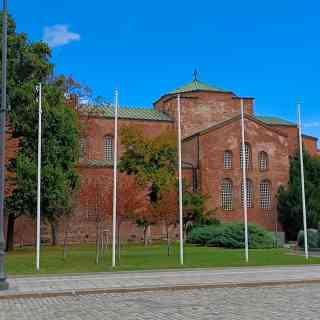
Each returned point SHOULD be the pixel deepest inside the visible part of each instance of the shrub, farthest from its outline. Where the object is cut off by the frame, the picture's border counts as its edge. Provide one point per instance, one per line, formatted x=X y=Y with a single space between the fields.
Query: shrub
x=313 y=239
x=231 y=236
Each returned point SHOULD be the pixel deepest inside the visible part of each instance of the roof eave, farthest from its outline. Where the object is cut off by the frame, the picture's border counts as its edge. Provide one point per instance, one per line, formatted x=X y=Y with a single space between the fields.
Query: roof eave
x=172 y=94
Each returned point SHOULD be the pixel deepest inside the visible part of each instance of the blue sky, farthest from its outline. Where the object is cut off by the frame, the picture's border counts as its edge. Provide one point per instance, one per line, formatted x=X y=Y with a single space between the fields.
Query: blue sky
x=269 y=50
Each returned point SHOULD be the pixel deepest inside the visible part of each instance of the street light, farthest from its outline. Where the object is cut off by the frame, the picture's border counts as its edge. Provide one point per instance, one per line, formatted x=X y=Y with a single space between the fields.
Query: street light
x=3 y=278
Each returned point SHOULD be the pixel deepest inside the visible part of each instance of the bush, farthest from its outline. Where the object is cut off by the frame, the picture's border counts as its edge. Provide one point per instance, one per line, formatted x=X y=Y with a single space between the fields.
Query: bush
x=313 y=239
x=231 y=236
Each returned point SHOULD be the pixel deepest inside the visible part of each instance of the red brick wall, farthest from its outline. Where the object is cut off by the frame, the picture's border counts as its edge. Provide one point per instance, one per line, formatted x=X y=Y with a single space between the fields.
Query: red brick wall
x=203 y=109
x=83 y=224
x=95 y=129
x=311 y=145
x=212 y=146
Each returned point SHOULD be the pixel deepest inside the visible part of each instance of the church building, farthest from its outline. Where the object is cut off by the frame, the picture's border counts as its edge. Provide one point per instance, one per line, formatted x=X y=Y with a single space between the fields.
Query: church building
x=211 y=154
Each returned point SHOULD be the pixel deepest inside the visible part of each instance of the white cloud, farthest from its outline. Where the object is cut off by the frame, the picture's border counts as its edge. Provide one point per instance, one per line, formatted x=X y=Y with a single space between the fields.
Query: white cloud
x=59 y=35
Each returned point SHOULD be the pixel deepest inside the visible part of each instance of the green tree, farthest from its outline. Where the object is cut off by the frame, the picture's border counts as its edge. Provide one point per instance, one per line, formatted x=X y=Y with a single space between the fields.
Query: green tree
x=290 y=197
x=194 y=210
x=29 y=64
x=152 y=160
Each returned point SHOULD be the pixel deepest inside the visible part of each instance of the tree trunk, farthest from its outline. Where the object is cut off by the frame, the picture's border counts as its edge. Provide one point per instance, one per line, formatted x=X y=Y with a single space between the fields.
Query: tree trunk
x=98 y=243
x=54 y=233
x=118 y=244
x=10 y=233
x=65 y=240
x=168 y=241
x=145 y=233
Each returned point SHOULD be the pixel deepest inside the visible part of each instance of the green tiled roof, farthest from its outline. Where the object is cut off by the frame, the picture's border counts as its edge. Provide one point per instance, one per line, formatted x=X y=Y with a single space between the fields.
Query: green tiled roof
x=275 y=121
x=126 y=113
x=196 y=85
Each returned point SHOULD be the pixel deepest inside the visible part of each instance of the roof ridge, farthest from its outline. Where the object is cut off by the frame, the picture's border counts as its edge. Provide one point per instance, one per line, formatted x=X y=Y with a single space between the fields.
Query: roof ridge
x=126 y=113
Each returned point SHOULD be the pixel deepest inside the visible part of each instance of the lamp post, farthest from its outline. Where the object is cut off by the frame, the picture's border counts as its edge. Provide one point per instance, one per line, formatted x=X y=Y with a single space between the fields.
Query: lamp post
x=3 y=279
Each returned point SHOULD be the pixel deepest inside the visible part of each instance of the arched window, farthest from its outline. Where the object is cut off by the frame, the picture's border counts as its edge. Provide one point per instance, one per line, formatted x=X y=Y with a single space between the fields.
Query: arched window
x=108 y=148
x=227 y=159
x=263 y=161
x=82 y=149
x=265 y=195
x=249 y=194
x=247 y=158
x=226 y=194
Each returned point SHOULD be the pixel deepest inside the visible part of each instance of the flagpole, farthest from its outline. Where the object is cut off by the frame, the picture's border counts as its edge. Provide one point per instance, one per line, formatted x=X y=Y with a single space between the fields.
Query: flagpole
x=245 y=209
x=3 y=278
x=39 y=88
x=302 y=185
x=115 y=153
x=180 y=181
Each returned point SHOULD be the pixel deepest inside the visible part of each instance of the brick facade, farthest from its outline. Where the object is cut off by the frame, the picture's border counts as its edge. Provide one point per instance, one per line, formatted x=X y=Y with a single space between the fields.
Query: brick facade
x=211 y=125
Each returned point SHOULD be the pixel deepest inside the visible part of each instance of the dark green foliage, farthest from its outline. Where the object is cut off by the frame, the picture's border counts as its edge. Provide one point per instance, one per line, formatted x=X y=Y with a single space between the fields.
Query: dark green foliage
x=29 y=64
x=290 y=198
x=151 y=160
x=194 y=213
x=231 y=235
x=313 y=239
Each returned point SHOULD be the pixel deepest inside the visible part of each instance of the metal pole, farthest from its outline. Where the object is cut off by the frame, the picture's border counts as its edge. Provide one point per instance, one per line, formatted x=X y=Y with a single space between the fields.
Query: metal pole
x=245 y=209
x=115 y=151
x=180 y=180
x=39 y=87
x=302 y=187
x=3 y=283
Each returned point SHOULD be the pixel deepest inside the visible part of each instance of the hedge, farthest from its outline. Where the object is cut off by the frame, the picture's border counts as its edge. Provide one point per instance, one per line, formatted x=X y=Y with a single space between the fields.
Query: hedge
x=231 y=235
x=313 y=239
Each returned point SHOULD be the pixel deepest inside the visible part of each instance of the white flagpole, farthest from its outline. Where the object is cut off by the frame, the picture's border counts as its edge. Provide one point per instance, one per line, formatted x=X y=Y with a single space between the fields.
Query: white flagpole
x=180 y=180
x=245 y=209
x=302 y=186
x=39 y=88
x=115 y=155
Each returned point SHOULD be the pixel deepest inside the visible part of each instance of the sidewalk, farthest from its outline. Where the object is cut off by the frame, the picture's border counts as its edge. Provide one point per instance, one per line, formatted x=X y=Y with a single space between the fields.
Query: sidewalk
x=45 y=286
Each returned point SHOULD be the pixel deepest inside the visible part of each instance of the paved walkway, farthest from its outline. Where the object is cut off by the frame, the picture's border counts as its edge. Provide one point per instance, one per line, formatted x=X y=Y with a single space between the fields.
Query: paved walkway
x=262 y=303
x=158 y=280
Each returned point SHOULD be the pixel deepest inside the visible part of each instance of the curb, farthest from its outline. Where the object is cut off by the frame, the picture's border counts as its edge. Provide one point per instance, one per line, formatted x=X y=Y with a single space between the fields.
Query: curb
x=79 y=292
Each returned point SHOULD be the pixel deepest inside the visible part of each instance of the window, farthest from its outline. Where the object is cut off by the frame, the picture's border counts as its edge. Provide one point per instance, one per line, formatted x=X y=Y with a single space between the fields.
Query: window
x=226 y=195
x=247 y=152
x=227 y=159
x=108 y=148
x=263 y=161
x=82 y=149
x=265 y=195
x=249 y=194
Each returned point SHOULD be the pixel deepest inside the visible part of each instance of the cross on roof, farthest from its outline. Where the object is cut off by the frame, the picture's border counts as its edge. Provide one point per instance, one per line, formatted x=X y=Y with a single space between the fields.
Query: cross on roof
x=195 y=75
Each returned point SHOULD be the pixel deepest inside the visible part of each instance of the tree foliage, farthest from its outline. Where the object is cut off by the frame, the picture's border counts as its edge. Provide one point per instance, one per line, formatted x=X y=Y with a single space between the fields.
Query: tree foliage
x=29 y=64
x=152 y=160
x=290 y=197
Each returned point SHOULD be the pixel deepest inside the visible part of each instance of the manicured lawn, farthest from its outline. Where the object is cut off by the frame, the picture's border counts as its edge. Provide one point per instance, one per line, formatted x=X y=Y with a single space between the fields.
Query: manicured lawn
x=82 y=259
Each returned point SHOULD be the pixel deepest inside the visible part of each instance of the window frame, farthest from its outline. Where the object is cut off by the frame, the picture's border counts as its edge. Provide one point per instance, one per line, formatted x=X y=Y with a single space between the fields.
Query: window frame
x=248 y=155
x=108 y=149
x=228 y=159
x=226 y=196
x=250 y=195
x=265 y=167
x=265 y=200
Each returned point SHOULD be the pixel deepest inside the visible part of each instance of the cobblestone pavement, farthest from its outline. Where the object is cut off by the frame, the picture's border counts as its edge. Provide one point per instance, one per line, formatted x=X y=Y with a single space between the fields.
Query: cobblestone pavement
x=157 y=279
x=287 y=302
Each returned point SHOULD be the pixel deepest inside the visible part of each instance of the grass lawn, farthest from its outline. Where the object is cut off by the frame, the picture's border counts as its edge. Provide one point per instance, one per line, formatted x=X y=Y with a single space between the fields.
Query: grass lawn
x=133 y=257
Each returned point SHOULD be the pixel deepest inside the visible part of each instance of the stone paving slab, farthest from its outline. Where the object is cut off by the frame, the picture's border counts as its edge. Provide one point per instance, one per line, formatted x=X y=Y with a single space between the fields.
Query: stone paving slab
x=274 y=303
x=152 y=280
